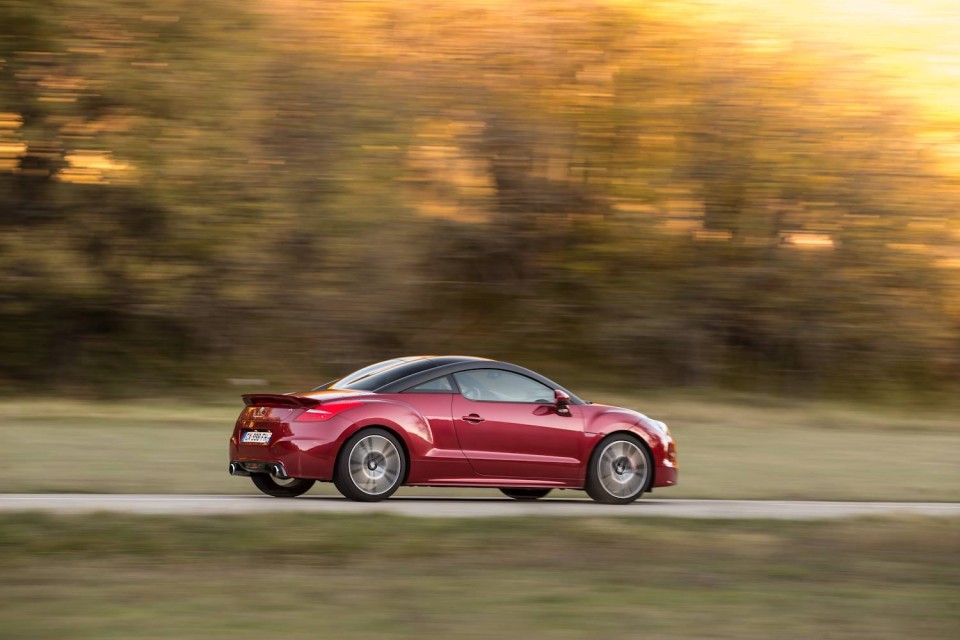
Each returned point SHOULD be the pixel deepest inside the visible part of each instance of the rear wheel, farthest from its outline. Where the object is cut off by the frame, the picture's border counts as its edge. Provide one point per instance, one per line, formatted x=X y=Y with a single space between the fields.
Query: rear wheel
x=619 y=471
x=281 y=487
x=519 y=493
x=370 y=467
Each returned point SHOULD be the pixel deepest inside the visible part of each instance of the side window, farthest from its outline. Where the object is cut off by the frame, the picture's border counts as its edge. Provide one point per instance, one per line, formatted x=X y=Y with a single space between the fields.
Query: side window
x=496 y=385
x=437 y=385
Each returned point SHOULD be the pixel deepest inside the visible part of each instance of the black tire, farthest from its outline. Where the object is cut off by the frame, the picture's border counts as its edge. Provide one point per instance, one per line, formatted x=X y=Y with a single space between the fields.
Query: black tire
x=519 y=493
x=278 y=488
x=384 y=451
x=611 y=486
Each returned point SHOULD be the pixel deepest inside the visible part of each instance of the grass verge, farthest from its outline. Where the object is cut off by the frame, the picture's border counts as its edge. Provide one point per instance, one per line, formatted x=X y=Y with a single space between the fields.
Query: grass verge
x=302 y=576
x=750 y=448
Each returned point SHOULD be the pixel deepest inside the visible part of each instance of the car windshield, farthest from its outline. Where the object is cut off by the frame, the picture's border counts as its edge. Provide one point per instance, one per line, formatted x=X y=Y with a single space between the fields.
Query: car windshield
x=377 y=375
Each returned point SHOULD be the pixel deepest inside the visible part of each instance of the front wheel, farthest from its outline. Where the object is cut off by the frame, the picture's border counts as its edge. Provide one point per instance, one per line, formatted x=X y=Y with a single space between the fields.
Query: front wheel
x=519 y=493
x=281 y=487
x=619 y=471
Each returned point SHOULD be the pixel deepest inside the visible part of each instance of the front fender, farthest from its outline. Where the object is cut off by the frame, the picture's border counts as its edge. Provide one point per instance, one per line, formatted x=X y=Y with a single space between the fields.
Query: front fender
x=610 y=420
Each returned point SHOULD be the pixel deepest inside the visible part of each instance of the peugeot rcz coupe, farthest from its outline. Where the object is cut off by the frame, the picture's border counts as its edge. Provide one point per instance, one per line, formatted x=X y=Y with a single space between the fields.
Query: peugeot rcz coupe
x=448 y=421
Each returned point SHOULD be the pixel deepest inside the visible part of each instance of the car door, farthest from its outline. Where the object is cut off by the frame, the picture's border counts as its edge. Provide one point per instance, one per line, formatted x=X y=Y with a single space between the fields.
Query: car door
x=509 y=427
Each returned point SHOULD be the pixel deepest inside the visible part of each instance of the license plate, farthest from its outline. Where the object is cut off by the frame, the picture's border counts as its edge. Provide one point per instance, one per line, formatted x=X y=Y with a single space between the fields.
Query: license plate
x=256 y=437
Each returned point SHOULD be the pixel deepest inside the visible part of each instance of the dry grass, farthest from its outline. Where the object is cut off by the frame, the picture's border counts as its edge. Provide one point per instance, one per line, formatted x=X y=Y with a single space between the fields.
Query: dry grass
x=751 y=448
x=345 y=577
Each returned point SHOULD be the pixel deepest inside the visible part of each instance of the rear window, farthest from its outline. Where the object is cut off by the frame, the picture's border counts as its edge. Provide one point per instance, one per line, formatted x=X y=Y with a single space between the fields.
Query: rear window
x=437 y=385
x=383 y=373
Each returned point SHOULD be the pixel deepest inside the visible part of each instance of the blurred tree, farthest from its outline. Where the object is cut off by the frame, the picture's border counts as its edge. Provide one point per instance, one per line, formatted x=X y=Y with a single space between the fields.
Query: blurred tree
x=210 y=187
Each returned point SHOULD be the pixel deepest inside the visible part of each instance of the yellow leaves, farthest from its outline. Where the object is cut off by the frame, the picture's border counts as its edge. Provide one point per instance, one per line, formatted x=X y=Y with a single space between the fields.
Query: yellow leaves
x=11 y=148
x=806 y=240
x=10 y=153
x=10 y=121
x=449 y=180
x=87 y=166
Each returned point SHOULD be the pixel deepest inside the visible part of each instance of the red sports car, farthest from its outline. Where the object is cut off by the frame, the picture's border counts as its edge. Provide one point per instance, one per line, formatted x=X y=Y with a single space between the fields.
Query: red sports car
x=448 y=421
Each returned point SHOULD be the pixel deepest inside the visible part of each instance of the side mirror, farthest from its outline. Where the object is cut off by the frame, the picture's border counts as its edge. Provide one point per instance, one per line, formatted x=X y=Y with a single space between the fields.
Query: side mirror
x=561 y=399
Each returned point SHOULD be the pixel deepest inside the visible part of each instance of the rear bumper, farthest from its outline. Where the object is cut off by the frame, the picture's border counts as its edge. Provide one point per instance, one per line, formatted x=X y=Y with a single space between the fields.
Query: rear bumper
x=299 y=459
x=241 y=468
x=302 y=451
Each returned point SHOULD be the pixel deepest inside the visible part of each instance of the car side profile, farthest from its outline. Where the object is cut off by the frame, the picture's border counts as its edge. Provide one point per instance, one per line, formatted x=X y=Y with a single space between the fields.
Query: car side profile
x=448 y=421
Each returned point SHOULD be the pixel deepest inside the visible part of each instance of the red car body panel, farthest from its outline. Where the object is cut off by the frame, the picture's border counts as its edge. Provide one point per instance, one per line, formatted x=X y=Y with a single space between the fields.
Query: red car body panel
x=519 y=440
x=516 y=443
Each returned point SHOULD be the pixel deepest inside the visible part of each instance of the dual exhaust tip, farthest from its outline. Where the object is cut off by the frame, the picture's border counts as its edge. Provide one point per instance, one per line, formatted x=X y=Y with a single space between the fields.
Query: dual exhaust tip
x=245 y=469
x=237 y=470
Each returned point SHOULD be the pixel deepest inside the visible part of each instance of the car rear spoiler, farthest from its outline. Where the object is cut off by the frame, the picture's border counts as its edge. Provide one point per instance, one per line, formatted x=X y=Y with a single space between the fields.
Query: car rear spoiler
x=278 y=400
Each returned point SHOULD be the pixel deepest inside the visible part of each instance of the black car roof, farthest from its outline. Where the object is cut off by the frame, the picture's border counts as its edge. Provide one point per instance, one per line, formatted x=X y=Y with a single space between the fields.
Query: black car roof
x=442 y=360
x=375 y=376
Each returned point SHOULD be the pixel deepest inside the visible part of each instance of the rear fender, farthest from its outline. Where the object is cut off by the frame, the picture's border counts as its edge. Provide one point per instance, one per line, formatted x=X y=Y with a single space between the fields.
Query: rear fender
x=399 y=417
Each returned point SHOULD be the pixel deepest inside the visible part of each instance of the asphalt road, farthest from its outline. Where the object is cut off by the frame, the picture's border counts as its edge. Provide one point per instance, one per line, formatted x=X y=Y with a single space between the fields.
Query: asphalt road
x=457 y=507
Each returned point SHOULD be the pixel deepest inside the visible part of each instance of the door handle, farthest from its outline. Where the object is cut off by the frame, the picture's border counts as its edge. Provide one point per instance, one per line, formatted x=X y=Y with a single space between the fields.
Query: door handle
x=474 y=418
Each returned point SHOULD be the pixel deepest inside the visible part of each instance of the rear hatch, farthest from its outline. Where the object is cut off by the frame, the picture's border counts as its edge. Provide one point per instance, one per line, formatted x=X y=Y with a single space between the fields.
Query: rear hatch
x=267 y=416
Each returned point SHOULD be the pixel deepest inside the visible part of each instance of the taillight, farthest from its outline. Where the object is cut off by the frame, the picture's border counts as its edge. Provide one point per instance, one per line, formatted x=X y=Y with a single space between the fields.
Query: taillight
x=326 y=411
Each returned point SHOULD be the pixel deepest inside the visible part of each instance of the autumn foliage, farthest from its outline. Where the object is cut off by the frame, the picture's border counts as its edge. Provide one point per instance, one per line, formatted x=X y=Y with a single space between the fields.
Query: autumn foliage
x=192 y=190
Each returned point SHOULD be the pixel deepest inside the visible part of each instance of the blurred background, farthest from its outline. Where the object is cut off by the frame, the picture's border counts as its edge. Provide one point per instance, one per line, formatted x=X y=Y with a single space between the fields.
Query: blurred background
x=741 y=217
x=689 y=193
